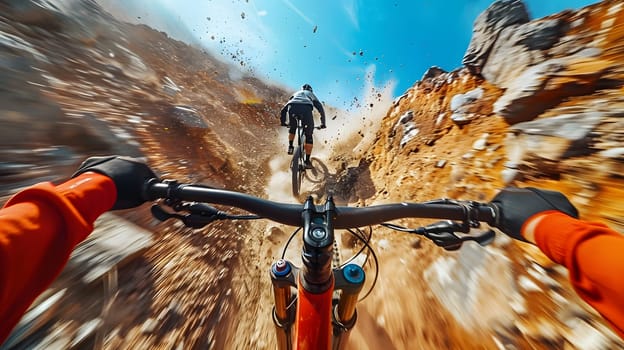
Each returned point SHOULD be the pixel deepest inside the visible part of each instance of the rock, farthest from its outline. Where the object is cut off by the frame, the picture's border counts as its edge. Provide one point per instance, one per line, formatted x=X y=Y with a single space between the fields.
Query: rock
x=459 y=101
x=149 y=326
x=481 y=143
x=521 y=102
x=440 y=118
x=114 y=242
x=559 y=137
x=543 y=330
x=528 y=285
x=440 y=163
x=41 y=312
x=518 y=304
x=463 y=118
x=520 y=47
x=583 y=336
x=31 y=13
x=538 y=273
x=501 y=14
x=383 y=244
x=189 y=117
x=410 y=132
x=433 y=72
x=457 y=174
x=417 y=243
x=542 y=35
x=616 y=152
x=545 y=85
x=405 y=118
x=474 y=285
x=509 y=175
x=464 y=107
x=557 y=298
x=86 y=331
x=468 y=155
x=275 y=235
x=170 y=87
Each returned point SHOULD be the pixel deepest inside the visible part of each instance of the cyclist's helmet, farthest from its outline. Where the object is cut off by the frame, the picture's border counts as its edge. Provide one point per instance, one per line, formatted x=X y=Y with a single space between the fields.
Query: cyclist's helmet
x=307 y=87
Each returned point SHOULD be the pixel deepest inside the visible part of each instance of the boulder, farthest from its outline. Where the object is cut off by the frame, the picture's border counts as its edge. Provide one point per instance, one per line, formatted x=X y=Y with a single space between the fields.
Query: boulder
x=501 y=14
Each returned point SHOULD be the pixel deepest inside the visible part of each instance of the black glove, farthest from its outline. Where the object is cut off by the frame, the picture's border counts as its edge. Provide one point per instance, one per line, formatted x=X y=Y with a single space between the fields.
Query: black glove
x=516 y=205
x=284 y=124
x=129 y=175
x=323 y=126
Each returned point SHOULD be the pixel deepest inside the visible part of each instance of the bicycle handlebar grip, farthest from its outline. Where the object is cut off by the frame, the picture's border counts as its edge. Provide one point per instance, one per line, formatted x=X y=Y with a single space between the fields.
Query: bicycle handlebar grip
x=154 y=189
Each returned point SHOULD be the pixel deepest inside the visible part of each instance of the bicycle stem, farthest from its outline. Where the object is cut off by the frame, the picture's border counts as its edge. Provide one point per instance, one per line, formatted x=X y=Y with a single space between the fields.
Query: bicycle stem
x=318 y=240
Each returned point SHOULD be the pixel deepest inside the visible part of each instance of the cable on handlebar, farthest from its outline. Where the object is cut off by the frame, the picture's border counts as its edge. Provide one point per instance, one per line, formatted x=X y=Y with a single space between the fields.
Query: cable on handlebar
x=199 y=214
x=362 y=238
x=288 y=242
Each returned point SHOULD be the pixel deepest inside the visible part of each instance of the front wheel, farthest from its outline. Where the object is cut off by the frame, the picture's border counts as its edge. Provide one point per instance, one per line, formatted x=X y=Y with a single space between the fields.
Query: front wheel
x=296 y=171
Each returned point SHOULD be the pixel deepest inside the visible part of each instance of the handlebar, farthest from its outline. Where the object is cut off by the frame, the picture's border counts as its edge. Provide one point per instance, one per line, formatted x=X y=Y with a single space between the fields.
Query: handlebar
x=345 y=217
x=316 y=127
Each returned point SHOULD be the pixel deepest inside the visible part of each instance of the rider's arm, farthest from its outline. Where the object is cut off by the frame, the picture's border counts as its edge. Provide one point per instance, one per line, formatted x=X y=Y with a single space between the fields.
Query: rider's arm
x=593 y=254
x=283 y=114
x=319 y=107
x=39 y=227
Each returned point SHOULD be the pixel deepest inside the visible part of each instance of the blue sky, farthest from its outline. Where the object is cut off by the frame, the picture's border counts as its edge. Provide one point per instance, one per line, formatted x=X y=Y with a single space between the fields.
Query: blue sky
x=390 y=41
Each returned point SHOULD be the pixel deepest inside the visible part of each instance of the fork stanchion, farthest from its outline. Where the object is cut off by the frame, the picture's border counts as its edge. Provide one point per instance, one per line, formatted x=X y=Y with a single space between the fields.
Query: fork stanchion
x=282 y=278
x=350 y=280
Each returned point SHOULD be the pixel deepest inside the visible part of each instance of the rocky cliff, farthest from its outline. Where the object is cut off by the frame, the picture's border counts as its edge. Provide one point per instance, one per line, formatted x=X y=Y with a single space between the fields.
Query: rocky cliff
x=536 y=102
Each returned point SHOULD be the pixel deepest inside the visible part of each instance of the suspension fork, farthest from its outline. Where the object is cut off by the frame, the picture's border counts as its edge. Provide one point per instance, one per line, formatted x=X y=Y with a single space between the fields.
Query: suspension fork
x=349 y=280
x=283 y=277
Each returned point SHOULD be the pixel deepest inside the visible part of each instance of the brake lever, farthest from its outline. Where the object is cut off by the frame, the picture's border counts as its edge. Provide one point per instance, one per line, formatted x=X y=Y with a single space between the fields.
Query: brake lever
x=200 y=214
x=442 y=234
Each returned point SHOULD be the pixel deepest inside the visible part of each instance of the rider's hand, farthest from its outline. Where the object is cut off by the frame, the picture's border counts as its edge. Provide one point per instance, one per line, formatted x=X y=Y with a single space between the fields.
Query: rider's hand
x=284 y=124
x=323 y=126
x=517 y=205
x=128 y=174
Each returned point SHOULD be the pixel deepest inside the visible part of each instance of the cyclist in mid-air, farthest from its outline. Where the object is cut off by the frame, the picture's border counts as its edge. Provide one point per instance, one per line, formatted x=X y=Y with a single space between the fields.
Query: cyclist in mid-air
x=302 y=103
x=41 y=225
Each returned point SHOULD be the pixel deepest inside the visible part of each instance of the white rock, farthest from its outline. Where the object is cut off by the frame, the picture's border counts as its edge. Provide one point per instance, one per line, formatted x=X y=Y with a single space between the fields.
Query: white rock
x=583 y=336
x=528 y=285
x=613 y=152
x=481 y=143
x=518 y=304
x=460 y=100
x=541 y=275
x=508 y=175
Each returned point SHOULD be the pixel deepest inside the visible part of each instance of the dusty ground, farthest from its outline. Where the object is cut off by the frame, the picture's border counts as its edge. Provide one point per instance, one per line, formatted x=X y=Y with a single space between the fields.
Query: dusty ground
x=209 y=288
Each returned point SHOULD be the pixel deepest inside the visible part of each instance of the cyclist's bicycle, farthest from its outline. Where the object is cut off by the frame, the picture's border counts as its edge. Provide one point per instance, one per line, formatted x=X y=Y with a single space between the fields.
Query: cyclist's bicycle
x=297 y=164
x=322 y=310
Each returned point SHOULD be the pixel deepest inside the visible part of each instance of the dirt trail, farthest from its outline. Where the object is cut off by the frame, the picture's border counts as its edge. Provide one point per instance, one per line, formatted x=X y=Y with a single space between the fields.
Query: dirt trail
x=400 y=313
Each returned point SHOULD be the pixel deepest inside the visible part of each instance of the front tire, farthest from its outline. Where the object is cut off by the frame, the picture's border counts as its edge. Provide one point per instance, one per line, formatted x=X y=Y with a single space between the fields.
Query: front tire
x=296 y=171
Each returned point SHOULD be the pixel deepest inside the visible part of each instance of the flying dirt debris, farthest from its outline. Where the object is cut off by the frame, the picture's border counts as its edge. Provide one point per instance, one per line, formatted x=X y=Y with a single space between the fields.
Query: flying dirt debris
x=546 y=92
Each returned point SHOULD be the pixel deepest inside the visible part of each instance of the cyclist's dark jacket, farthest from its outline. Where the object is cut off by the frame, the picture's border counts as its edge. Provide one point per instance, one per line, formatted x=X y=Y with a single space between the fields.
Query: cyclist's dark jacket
x=303 y=97
x=41 y=225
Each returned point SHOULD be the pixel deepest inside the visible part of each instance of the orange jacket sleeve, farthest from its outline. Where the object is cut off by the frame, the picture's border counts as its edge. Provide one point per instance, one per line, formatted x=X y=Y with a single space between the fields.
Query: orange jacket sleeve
x=39 y=227
x=594 y=256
